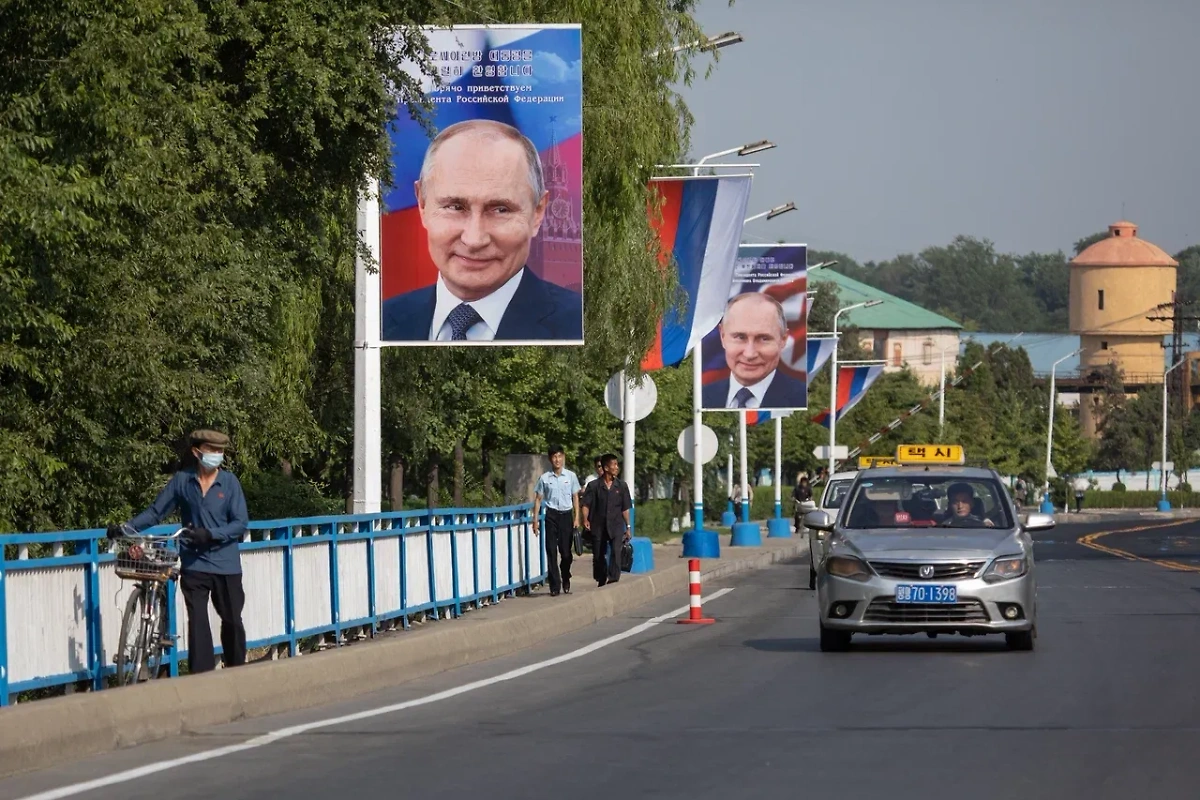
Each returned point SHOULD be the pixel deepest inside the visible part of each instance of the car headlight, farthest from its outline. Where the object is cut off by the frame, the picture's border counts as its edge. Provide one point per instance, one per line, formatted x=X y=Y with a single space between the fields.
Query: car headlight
x=1003 y=569
x=848 y=567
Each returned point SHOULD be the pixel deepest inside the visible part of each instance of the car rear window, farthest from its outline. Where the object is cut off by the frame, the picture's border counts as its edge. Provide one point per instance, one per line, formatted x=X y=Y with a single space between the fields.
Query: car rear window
x=927 y=501
x=835 y=494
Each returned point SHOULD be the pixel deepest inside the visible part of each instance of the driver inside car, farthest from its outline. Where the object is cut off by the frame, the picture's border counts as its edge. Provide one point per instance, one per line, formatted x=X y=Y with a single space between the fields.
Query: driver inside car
x=962 y=512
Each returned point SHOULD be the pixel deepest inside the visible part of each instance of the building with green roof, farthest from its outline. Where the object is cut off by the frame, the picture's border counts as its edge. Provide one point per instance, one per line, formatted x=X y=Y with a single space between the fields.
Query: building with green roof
x=897 y=331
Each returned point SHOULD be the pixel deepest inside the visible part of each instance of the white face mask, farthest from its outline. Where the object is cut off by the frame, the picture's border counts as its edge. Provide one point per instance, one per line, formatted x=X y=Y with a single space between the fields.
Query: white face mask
x=212 y=460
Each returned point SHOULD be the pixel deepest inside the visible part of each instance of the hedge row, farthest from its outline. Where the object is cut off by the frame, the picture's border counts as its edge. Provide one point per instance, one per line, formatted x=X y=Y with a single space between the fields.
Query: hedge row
x=1137 y=499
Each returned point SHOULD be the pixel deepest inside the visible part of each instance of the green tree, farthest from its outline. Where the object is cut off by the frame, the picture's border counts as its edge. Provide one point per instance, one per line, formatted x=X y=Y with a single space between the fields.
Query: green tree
x=1088 y=241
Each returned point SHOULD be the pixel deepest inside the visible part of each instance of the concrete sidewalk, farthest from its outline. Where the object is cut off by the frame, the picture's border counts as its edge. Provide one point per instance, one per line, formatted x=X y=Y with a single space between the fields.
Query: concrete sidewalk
x=39 y=734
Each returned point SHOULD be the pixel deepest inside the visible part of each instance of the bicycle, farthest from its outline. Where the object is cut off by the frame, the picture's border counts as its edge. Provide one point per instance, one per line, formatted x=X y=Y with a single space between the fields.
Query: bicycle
x=149 y=561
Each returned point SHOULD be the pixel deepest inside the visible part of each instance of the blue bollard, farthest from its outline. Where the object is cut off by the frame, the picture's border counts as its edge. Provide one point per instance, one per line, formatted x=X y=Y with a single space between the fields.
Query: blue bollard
x=1047 y=506
x=779 y=528
x=643 y=554
x=746 y=534
x=727 y=516
x=1164 y=504
x=701 y=544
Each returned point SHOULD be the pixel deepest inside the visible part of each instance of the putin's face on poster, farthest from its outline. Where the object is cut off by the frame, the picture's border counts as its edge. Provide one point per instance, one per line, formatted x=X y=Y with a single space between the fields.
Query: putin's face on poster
x=753 y=335
x=481 y=207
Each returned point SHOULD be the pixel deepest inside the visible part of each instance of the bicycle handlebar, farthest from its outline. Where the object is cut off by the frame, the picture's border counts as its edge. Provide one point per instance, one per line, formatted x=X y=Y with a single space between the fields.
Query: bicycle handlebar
x=129 y=533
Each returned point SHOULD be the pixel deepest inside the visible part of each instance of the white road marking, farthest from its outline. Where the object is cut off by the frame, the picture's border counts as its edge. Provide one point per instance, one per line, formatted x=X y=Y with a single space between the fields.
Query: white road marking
x=296 y=730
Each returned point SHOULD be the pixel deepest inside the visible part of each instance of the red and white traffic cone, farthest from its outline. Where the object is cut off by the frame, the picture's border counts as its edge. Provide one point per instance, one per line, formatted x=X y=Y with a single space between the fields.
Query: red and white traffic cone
x=695 y=616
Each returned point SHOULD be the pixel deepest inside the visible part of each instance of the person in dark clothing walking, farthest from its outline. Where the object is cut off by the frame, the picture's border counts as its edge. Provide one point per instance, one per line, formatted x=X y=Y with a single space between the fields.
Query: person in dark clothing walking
x=212 y=508
x=605 y=508
x=559 y=490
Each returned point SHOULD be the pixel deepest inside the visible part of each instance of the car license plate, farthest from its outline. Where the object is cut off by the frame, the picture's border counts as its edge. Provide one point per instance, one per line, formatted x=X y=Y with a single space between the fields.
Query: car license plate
x=926 y=593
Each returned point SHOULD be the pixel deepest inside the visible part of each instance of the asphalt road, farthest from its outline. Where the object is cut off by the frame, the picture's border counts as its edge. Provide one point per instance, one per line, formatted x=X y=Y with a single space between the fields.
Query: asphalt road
x=1105 y=707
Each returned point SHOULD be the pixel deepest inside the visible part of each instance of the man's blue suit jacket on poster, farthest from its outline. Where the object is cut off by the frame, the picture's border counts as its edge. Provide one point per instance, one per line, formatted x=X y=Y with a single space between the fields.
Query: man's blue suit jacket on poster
x=784 y=392
x=539 y=310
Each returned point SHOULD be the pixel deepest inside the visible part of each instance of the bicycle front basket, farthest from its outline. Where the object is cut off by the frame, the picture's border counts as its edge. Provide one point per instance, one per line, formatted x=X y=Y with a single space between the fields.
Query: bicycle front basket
x=146 y=558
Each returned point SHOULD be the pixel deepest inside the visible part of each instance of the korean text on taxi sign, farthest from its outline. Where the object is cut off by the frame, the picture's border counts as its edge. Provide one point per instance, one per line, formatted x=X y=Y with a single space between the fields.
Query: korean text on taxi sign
x=930 y=454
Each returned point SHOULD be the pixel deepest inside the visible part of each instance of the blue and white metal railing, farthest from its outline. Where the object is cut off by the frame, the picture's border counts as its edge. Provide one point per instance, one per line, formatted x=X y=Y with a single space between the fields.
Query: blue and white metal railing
x=303 y=578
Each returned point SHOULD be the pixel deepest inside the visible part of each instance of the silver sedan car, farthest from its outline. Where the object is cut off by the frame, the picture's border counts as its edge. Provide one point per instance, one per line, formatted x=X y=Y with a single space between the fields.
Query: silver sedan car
x=934 y=550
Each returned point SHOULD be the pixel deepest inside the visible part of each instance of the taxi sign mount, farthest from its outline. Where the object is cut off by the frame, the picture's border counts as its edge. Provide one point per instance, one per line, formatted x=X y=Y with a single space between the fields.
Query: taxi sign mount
x=930 y=454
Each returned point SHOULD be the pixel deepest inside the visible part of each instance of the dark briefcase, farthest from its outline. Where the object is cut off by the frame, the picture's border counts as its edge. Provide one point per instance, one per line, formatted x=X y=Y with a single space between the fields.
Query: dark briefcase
x=577 y=541
x=627 y=557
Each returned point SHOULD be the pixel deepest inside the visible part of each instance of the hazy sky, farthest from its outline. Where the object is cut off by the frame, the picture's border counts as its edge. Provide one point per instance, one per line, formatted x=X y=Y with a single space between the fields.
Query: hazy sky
x=902 y=123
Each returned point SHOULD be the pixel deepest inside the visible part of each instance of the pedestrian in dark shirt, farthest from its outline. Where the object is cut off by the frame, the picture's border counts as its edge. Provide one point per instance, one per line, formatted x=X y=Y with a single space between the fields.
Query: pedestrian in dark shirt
x=605 y=507
x=212 y=509
x=801 y=493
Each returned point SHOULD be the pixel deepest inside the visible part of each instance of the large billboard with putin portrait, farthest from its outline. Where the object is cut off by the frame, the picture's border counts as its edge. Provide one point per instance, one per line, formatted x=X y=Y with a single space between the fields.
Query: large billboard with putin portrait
x=481 y=232
x=756 y=357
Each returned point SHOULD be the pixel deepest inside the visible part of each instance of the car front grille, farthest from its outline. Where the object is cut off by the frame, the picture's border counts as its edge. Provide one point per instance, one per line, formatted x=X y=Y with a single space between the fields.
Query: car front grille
x=912 y=570
x=884 y=610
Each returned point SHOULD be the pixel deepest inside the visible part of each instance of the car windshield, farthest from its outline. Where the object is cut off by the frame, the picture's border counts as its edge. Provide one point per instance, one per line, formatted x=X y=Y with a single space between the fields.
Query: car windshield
x=836 y=493
x=925 y=501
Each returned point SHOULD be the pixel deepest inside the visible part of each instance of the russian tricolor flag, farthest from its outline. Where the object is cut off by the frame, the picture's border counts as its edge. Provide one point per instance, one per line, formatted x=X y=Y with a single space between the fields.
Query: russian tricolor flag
x=756 y=417
x=853 y=383
x=700 y=226
x=819 y=352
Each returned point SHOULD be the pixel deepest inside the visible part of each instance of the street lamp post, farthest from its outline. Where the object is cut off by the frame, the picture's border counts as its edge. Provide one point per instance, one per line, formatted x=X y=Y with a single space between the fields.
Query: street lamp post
x=833 y=378
x=1047 y=505
x=704 y=544
x=1163 y=503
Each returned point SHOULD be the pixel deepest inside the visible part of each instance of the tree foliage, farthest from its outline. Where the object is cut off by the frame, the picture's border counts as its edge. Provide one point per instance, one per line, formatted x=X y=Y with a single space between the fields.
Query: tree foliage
x=177 y=240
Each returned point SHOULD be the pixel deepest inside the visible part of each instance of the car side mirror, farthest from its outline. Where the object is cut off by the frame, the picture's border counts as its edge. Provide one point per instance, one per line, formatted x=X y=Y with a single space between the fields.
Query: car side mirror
x=1038 y=522
x=818 y=521
x=808 y=505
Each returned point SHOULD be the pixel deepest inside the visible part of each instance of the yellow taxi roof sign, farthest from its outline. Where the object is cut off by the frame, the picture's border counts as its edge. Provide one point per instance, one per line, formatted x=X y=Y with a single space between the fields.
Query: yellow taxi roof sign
x=930 y=454
x=866 y=462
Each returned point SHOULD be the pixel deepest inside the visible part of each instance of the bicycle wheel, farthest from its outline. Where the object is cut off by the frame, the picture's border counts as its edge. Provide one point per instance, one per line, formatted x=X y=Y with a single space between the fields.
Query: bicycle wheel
x=140 y=650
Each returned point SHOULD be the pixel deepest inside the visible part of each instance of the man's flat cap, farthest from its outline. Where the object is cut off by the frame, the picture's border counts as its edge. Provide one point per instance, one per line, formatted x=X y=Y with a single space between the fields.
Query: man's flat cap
x=215 y=438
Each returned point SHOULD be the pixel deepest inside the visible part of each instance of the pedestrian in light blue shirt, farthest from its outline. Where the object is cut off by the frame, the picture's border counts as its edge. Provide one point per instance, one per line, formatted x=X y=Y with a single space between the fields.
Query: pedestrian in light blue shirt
x=558 y=490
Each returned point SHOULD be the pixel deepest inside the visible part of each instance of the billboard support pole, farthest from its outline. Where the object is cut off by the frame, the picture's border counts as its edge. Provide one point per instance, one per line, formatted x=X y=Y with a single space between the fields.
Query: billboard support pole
x=744 y=532
x=368 y=436
x=628 y=424
x=778 y=526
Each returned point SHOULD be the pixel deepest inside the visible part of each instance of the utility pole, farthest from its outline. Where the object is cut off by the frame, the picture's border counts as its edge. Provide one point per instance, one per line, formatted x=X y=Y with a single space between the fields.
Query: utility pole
x=1178 y=383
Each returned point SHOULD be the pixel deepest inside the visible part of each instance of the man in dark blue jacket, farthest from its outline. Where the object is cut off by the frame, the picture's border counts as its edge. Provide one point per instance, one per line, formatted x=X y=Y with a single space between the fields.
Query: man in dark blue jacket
x=212 y=507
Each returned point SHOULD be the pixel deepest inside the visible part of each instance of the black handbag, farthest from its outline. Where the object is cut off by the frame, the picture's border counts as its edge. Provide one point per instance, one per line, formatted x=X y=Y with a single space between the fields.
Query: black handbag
x=627 y=557
x=577 y=541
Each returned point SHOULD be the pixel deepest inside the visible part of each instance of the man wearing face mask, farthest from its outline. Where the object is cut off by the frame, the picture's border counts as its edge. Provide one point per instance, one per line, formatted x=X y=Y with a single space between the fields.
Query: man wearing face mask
x=212 y=509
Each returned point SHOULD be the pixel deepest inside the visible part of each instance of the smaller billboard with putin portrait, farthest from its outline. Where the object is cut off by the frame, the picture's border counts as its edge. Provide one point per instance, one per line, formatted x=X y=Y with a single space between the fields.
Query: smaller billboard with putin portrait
x=481 y=233
x=756 y=357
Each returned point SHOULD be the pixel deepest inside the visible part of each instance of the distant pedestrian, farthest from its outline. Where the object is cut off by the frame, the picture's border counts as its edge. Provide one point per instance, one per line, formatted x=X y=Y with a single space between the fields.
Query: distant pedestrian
x=212 y=508
x=1081 y=486
x=558 y=490
x=1020 y=490
x=599 y=470
x=737 y=501
x=605 y=507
